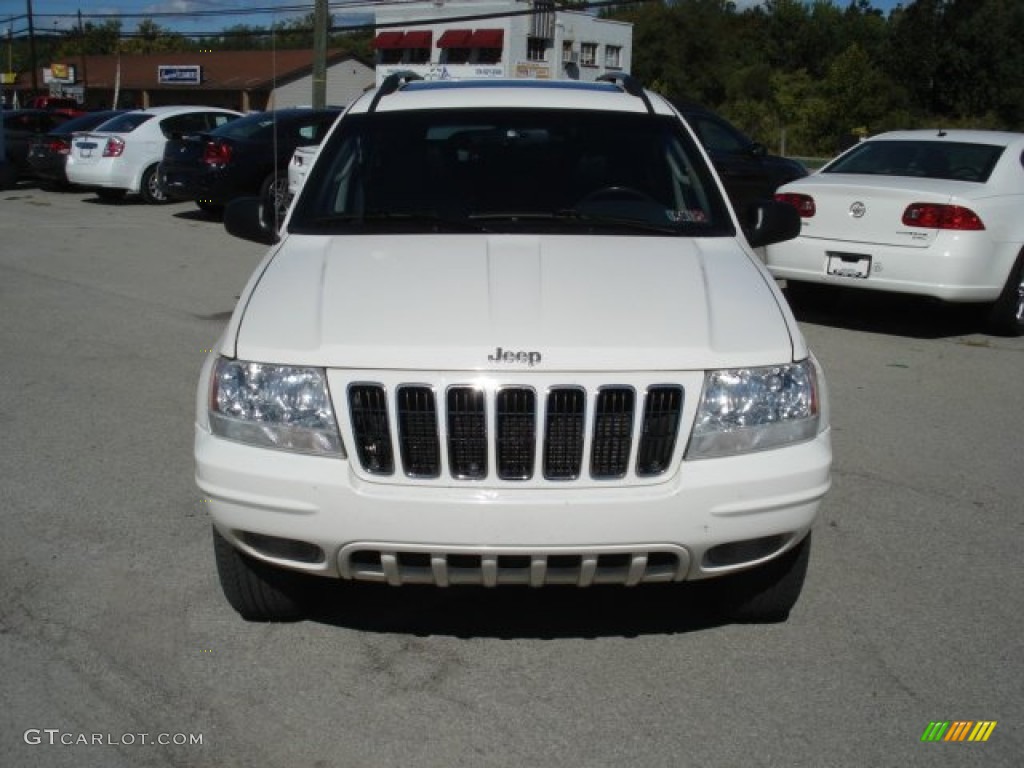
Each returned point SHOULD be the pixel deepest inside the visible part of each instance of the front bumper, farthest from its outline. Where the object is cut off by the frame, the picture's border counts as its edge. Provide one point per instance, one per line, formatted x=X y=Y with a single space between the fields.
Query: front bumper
x=770 y=496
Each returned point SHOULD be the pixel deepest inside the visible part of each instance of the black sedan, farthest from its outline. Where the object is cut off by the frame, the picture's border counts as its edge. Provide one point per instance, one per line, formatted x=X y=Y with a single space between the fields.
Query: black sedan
x=248 y=156
x=47 y=155
x=748 y=171
x=21 y=127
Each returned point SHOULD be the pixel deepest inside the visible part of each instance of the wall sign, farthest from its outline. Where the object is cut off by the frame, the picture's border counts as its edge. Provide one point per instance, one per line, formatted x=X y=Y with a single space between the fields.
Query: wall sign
x=179 y=74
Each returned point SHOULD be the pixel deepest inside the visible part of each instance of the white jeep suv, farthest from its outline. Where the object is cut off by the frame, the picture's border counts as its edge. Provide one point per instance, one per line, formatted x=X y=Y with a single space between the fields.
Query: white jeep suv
x=512 y=333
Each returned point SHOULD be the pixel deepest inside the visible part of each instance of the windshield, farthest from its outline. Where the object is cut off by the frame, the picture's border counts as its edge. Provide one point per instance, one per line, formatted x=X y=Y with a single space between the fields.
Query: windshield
x=514 y=170
x=927 y=159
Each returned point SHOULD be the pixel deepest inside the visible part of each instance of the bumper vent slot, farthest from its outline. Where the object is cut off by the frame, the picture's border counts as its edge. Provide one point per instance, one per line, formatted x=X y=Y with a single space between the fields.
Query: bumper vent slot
x=444 y=569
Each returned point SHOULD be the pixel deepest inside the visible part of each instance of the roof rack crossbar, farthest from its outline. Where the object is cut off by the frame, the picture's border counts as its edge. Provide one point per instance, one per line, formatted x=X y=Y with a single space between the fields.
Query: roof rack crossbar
x=391 y=84
x=630 y=85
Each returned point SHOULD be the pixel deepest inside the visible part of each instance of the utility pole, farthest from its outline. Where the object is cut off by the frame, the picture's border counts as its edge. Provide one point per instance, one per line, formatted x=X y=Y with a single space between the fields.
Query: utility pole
x=320 y=54
x=32 y=50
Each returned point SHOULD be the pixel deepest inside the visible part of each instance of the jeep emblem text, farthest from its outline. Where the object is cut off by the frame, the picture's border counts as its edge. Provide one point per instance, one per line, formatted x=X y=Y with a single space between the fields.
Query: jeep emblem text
x=508 y=356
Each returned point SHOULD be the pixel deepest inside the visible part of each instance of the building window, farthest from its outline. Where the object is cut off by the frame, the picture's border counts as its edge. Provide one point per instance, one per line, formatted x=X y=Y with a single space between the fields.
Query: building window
x=536 y=49
x=588 y=54
x=418 y=56
x=455 y=55
x=613 y=57
x=391 y=55
x=488 y=56
x=566 y=51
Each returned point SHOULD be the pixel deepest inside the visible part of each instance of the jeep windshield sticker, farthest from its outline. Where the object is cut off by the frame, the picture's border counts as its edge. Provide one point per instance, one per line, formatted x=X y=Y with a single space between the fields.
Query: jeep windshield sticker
x=690 y=215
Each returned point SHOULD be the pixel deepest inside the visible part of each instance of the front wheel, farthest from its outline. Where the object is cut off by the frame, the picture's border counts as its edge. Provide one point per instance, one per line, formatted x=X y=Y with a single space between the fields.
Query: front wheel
x=1006 y=317
x=150 y=189
x=259 y=592
x=766 y=593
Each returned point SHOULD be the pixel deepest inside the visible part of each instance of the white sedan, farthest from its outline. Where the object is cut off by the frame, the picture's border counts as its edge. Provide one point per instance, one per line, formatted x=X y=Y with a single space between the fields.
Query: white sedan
x=930 y=212
x=122 y=155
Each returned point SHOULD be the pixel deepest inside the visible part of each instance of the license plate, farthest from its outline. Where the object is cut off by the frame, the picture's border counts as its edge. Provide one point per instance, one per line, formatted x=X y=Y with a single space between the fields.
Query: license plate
x=857 y=265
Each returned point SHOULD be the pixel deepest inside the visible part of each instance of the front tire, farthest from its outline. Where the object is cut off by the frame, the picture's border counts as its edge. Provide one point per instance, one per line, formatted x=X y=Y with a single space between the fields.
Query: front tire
x=259 y=592
x=150 y=189
x=764 y=594
x=1006 y=317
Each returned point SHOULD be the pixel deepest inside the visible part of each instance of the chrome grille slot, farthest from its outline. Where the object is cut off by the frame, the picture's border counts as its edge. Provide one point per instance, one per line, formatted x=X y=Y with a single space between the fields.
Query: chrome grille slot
x=662 y=410
x=369 y=412
x=417 y=432
x=564 y=433
x=613 y=432
x=516 y=432
x=467 y=433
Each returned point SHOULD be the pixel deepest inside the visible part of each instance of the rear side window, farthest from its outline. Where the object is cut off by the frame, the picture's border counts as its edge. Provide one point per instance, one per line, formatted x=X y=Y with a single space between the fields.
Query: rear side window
x=126 y=123
x=960 y=161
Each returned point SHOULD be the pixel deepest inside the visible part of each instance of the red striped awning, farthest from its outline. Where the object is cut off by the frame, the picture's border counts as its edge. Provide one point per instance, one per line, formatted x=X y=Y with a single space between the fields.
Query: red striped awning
x=389 y=39
x=419 y=38
x=455 y=38
x=487 y=38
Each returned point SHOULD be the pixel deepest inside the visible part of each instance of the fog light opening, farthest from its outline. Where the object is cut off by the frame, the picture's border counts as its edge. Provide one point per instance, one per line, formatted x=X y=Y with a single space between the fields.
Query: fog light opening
x=737 y=552
x=284 y=549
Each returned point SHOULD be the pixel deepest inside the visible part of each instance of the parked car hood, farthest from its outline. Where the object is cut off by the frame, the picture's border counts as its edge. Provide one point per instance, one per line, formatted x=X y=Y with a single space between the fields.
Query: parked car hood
x=451 y=302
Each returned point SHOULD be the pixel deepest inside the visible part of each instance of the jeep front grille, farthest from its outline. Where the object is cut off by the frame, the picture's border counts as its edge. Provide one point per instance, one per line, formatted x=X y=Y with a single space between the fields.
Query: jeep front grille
x=511 y=426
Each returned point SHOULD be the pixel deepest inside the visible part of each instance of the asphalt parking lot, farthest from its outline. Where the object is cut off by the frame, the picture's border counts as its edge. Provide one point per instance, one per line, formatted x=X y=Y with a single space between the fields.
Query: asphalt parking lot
x=118 y=648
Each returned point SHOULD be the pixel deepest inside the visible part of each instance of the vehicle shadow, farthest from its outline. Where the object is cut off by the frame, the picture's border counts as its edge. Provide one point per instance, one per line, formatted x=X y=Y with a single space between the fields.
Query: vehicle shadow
x=892 y=314
x=198 y=214
x=515 y=612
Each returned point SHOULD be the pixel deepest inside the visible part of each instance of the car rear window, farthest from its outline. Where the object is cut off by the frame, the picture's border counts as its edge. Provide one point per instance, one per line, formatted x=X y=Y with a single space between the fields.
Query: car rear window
x=126 y=123
x=925 y=159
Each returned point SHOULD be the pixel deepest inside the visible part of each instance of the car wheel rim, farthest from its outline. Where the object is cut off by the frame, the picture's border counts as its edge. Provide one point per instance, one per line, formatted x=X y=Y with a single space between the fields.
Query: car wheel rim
x=154 y=188
x=1019 y=314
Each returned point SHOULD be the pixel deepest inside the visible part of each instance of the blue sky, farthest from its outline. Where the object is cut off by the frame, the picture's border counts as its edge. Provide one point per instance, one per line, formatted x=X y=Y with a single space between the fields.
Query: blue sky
x=197 y=15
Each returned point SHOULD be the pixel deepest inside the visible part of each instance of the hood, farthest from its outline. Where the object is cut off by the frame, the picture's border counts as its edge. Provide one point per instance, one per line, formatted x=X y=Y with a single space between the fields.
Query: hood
x=511 y=302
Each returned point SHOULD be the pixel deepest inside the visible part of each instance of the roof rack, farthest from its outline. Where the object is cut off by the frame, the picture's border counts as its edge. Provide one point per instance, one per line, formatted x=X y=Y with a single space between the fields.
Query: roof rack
x=630 y=85
x=391 y=84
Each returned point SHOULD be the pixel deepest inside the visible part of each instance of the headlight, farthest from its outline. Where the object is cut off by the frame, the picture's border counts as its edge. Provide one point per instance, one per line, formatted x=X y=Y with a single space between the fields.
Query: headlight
x=751 y=409
x=274 y=406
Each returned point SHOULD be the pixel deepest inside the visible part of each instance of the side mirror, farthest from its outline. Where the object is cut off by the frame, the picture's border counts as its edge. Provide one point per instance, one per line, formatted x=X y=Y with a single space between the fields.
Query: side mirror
x=768 y=221
x=252 y=218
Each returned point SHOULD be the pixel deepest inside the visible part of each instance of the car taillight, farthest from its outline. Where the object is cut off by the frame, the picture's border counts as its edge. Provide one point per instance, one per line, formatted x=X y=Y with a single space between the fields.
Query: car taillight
x=216 y=153
x=937 y=216
x=804 y=204
x=58 y=146
x=114 y=147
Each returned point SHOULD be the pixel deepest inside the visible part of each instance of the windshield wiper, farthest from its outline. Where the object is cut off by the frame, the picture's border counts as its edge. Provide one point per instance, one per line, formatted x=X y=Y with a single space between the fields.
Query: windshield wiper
x=437 y=222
